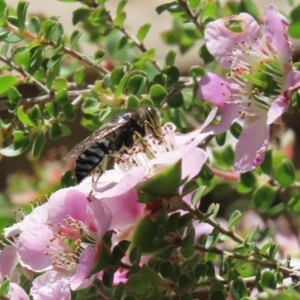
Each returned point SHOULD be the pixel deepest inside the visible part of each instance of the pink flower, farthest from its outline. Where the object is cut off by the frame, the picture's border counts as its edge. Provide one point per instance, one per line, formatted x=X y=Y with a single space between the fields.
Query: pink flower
x=68 y=245
x=138 y=165
x=260 y=84
x=8 y=263
x=17 y=293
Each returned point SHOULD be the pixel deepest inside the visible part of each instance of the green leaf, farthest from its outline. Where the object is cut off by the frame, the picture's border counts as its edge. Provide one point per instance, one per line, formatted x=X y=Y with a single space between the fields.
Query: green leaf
x=163 y=183
x=197 y=195
x=176 y=101
x=132 y=102
x=3 y=12
x=119 y=20
x=238 y=289
x=98 y=56
x=247 y=182
x=80 y=14
x=122 y=43
x=249 y=7
x=172 y=73
x=75 y=36
x=137 y=283
x=295 y=22
x=116 y=75
x=263 y=197
x=167 y=270
x=196 y=71
x=14 y=98
x=4 y=288
x=228 y=155
x=62 y=97
x=184 y=283
x=142 y=32
x=185 y=220
x=267 y=165
x=268 y=280
x=167 y=6
x=90 y=106
x=79 y=75
x=234 y=219
x=55 y=131
x=236 y=129
x=21 y=13
x=206 y=174
x=144 y=233
x=52 y=109
x=157 y=93
x=285 y=173
x=21 y=57
x=34 y=25
x=69 y=111
x=137 y=84
x=38 y=144
x=205 y=55
x=24 y=117
x=7 y=81
x=60 y=83
x=221 y=139
x=194 y=4
x=20 y=144
x=294 y=204
x=121 y=6
x=47 y=26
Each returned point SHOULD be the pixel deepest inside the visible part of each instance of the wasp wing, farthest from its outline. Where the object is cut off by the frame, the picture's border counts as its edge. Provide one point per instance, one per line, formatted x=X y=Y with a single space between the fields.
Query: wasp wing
x=95 y=137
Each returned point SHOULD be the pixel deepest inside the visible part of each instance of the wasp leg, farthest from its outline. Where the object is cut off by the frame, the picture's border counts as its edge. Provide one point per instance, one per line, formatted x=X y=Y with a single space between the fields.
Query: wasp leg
x=103 y=167
x=157 y=133
x=144 y=144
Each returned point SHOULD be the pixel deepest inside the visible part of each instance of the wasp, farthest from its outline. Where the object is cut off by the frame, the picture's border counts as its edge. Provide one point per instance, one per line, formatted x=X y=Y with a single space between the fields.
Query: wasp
x=115 y=136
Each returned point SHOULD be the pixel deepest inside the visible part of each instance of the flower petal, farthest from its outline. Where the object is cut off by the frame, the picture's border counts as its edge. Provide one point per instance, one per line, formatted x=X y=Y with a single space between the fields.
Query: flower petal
x=67 y=201
x=84 y=268
x=250 y=152
x=32 y=246
x=276 y=27
x=129 y=181
x=8 y=263
x=220 y=40
x=125 y=209
x=38 y=215
x=16 y=292
x=49 y=286
x=100 y=216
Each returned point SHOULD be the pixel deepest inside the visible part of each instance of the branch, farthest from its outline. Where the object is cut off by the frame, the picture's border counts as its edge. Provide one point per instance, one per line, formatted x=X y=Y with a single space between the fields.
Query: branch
x=4 y=104
x=135 y=41
x=24 y=73
x=32 y=37
x=183 y=4
x=249 y=258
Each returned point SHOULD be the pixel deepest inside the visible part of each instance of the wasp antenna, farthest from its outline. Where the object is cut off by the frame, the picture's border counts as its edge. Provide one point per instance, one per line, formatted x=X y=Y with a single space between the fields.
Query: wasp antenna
x=173 y=92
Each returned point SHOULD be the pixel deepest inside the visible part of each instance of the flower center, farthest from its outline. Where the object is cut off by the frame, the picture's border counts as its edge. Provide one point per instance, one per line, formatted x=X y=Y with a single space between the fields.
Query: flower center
x=259 y=75
x=144 y=151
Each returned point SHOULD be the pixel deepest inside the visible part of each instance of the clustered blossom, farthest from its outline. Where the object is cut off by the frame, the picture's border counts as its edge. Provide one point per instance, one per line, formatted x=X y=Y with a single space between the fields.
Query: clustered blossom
x=260 y=82
x=63 y=237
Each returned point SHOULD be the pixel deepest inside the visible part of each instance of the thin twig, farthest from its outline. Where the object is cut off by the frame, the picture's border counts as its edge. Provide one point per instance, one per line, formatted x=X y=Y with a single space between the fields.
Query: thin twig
x=4 y=104
x=32 y=37
x=19 y=69
x=134 y=40
x=183 y=4
x=264 y=264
